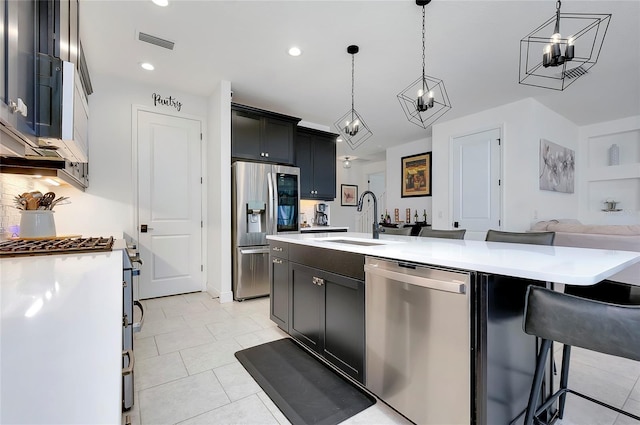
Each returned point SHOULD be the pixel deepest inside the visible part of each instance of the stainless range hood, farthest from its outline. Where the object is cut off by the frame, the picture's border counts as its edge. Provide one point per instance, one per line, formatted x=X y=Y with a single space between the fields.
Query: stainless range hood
x=75 y=174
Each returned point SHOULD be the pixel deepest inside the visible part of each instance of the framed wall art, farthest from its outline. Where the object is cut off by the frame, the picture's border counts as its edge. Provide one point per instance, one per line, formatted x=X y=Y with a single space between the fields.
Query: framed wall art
x=348 y=195
x=416 y=175
x=557 y=167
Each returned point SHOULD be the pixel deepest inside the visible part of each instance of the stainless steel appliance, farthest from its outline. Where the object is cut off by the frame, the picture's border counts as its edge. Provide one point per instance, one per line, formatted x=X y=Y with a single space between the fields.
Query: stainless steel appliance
x=417 y=325
x=265 y=201
x=322 y=215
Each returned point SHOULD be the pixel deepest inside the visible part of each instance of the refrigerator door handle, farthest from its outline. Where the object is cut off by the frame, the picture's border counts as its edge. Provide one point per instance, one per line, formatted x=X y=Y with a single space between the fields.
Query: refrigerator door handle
x=271 y=207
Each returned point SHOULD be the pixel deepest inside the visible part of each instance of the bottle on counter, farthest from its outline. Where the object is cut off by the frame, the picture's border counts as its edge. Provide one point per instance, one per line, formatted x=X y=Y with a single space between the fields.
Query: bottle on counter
x=415 y=217
x=424 y=214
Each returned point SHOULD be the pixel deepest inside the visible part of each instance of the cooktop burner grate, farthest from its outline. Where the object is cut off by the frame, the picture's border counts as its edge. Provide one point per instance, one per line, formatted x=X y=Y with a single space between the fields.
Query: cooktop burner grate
x=18 y=247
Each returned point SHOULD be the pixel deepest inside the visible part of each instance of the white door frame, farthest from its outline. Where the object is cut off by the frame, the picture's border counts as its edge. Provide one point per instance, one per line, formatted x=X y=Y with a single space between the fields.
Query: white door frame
x=500 y=128
x=135 y=108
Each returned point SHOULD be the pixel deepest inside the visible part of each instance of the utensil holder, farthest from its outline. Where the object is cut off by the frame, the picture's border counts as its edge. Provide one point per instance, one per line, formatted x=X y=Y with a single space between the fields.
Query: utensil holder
x=37 y=224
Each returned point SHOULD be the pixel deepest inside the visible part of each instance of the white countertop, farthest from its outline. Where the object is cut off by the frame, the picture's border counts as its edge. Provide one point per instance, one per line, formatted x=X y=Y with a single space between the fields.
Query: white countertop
x=576 y=266
x=61 y=339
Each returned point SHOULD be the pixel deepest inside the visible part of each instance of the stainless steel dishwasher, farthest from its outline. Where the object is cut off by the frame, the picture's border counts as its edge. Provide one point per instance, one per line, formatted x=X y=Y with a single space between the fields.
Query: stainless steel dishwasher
x=418 y=354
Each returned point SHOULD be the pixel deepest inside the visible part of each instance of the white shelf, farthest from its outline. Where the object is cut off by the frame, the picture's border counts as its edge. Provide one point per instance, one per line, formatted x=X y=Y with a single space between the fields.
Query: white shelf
x=614 y=172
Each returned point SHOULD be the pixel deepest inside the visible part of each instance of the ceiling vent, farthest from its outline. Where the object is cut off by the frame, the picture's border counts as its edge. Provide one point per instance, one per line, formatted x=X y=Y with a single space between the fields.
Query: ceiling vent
x=156 y=41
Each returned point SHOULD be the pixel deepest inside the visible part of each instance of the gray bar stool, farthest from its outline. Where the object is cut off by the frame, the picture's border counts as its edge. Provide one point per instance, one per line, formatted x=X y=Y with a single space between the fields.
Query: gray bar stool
x=574 y=321
x=404 y=231
x=428 y=232
x=533 y=238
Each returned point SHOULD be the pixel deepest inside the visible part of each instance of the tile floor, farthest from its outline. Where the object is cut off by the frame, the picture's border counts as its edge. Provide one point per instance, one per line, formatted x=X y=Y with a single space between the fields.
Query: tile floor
x=186 y=372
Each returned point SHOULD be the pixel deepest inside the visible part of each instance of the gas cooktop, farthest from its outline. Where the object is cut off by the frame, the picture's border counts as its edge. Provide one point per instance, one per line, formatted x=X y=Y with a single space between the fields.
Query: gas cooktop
x=20 y=247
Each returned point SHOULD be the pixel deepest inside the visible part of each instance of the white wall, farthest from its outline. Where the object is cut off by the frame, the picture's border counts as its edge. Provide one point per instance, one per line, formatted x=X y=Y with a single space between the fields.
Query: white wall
x=218 y=184
x=107 y=206
x=394 y=181
x=622 y=183
x=356 y=175
x=523 y=124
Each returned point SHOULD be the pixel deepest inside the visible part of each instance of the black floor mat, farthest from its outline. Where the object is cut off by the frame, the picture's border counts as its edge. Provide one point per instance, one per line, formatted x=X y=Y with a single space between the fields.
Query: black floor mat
x=304 y=389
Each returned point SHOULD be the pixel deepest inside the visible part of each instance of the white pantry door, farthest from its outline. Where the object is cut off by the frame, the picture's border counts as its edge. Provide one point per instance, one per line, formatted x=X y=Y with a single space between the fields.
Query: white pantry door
x=169 y=204
x=476 y=182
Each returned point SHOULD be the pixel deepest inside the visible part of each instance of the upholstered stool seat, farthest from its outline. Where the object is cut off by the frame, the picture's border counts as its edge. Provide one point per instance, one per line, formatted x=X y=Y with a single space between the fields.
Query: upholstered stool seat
x=533 y=238
x=428 y=232
x=573 y=321
x=404 y=231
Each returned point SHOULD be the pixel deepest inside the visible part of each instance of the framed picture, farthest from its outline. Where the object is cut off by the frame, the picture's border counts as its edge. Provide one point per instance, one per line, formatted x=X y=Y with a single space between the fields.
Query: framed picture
x=348 y=195
x=416 y=175
x=557 y=167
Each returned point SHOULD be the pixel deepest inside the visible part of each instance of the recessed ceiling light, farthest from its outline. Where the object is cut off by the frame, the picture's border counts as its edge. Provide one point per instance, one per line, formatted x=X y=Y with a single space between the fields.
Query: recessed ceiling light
x=147 y=66
x=161 y=3
x=295 y=51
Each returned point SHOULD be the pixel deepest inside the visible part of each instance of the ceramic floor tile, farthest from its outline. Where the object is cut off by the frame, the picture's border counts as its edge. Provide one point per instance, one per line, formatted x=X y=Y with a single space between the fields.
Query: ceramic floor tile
x=263 y=320
x=182 y=399
x=186 y=308
x=204 y=318
x=600 y=384
x=184 y=338
x=379 y=413
x=280 y=417
x=234 y=327
x=249 y=410
x=618 y=365
x=583 y=412
x=247 y=307
x=158 y=370
x=145 y=348
x=161 y=326
x=150 y=314
x=633 y=407
x=236 y=381
x=260 y=337
x=198 y=297
x=635 y=393
x=154 y=303
x=209 y=356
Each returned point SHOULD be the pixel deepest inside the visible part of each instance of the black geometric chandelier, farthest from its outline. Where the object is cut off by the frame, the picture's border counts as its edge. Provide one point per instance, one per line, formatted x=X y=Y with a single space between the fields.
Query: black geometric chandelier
x=351 y=126
x=550 y=61
x=425 y=100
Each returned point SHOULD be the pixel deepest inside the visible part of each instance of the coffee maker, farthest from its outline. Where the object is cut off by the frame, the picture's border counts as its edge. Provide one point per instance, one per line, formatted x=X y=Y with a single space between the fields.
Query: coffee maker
x=321 y=215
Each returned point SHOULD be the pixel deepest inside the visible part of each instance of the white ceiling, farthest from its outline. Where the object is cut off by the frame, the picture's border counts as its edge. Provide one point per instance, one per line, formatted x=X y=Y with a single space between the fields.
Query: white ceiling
x=472 y=45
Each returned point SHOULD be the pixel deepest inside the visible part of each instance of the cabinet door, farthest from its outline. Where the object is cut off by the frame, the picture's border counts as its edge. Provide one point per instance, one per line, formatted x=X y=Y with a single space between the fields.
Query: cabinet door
x=279 y=271
x=324 y=168
x=277 y=141
x=306 y=312
x=344 y=324
x=245 y=135
x=304 y=160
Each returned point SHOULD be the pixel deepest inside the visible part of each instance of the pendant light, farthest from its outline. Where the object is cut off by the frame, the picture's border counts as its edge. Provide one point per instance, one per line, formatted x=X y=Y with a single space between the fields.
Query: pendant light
x=549 y=60
x=351 y=126
x=425 y=100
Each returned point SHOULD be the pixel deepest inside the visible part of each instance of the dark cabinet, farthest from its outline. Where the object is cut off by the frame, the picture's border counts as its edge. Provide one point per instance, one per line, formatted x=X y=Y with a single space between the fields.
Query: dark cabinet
x=316 y=157
x=17 y=68
x=260 y=135
x=279 y=282
x=327 y=315
x=317 y=296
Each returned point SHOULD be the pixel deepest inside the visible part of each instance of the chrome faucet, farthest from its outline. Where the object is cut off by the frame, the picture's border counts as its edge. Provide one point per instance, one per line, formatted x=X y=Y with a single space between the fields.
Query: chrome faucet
x=376 y=226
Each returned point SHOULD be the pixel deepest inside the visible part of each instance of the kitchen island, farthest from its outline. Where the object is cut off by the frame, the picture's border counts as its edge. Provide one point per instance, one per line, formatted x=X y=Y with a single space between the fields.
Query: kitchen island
x=61 y=339
x=474 y=346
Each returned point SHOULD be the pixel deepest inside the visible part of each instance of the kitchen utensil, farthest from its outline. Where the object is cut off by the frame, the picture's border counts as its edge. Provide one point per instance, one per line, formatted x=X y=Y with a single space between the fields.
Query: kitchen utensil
x=46 y=200
x=60 y=201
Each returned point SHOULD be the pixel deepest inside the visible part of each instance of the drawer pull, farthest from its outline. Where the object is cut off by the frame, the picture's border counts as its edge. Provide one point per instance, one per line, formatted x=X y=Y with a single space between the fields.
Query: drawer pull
x=318 y=281
x=129 y=369
x=277 y=249
x=277 y=261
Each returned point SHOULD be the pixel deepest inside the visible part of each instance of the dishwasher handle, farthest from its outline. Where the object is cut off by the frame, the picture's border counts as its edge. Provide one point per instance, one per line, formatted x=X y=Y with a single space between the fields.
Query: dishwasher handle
x=425 y=282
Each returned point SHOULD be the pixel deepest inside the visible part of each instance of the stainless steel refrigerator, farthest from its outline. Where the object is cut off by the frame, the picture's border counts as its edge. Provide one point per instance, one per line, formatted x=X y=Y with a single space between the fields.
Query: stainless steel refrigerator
x=265 y=201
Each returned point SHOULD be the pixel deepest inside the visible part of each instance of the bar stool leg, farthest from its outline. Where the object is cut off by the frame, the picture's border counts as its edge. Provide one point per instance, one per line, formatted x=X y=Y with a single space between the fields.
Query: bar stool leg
x=534 y=395
x=564 y=377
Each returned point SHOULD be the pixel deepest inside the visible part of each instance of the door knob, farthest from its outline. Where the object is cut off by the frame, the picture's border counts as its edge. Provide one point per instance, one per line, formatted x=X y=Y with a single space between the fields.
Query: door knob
x=144 y=228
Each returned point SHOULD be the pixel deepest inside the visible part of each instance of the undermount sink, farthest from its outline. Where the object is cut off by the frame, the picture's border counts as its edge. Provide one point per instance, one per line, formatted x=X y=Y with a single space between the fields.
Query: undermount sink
x=361 y=242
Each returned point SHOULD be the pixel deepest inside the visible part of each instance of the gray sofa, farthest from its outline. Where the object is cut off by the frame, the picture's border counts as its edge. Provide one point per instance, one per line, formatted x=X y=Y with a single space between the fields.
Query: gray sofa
x=570 y=232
